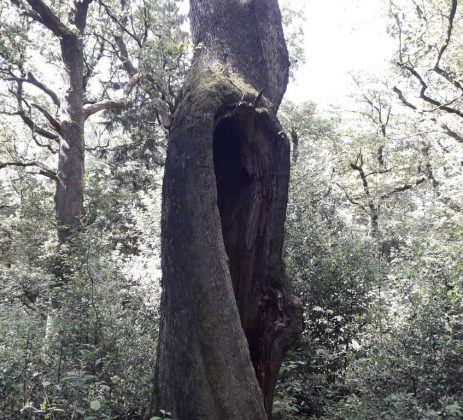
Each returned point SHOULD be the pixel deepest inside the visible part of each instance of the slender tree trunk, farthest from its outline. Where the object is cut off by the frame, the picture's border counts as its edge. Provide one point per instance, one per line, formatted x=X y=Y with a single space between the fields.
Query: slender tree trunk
x=227 y=315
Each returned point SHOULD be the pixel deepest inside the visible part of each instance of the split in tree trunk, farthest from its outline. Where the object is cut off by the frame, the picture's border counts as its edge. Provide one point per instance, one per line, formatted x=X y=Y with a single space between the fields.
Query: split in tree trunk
x=227 y=316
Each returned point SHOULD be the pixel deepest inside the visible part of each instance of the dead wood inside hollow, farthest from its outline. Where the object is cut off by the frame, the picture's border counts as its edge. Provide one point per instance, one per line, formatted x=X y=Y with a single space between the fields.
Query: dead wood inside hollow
x=246 y=157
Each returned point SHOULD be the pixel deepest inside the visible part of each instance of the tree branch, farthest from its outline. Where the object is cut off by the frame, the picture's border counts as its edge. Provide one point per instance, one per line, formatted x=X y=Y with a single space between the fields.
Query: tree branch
x=47 y=18
x=80 y=19
x=349 y=198
x=26 y=119
x=403 y=188
x=383 y=171
x=53 y=122
x=363 y=177
x=427 y=98
x=452 y=133
x=43 y=170
x=453 y=11
x=33 y=81
x=124 y=56
x=112 y=103
x=34 y=127
x=120 y=24
x=445 y=127
x=53 y=96
x=46 y=146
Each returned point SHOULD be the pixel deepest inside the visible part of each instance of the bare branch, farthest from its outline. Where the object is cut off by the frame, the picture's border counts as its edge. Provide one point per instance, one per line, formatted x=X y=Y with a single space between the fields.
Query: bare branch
x=103 y=105
x=33 y=81
x=43 y=170
x=47 y=18
x=452 y=133
x=26 y=118
x=453 y=11
x=437 y=68
x=34 y=127
x=46 y=146
x=383 y=171
x=53 y=122
x=80 y=19
x=112 y=103
x=427 y=98
x=445 y=127
x=120 y=24
x=447 y=77
x=124 y=56
x=402 y=98
x=363 y=177
x=349 y=198
x=446 y=104
x=403 y=188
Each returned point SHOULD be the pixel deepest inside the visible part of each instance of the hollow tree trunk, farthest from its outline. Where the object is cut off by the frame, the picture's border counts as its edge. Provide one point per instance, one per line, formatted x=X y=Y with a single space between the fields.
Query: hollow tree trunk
x=227 y=315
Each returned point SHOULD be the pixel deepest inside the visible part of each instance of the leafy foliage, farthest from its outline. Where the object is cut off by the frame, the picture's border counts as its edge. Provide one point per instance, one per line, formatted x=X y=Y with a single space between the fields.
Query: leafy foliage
x=373 y=234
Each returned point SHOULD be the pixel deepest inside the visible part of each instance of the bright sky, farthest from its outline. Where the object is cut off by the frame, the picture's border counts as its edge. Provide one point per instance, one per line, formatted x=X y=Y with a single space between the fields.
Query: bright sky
x=341 y=36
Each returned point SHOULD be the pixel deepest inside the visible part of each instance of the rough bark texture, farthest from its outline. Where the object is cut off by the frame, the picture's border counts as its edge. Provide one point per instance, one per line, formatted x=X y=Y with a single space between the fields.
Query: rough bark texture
x=227 y=315
x=70 y=127
x=246 y=36
x=70 y=175
x=69 y=188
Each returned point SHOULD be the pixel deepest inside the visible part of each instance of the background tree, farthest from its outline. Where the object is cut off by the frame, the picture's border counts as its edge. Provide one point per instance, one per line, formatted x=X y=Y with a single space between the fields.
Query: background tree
x=80 y=49
x=111 y=258
x=429 y=61
x=365 y=341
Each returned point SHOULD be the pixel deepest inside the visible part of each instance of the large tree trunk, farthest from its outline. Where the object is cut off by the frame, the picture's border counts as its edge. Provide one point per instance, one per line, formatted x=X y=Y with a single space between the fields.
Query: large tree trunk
x=70 y=174
x=227 y=315
x=69 y=187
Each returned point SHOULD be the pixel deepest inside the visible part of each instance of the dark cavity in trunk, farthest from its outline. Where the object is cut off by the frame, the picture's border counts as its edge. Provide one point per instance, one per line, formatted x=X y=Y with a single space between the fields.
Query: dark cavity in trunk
x=244 y=170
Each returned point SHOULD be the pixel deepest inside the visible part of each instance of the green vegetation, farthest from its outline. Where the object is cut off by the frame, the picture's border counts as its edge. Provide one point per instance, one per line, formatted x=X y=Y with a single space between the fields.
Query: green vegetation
x=374 y=231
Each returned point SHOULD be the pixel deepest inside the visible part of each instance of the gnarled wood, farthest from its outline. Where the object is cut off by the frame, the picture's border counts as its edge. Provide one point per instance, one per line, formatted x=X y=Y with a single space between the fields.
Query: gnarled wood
x=227 y=315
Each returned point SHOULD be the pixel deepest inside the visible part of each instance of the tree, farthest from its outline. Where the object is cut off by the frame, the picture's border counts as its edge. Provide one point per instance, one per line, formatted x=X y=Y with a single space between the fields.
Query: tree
x=332 y=264
x=57 y=115
x=429 y=61
x=82 y=44
x=69 y=127
x=227 y=314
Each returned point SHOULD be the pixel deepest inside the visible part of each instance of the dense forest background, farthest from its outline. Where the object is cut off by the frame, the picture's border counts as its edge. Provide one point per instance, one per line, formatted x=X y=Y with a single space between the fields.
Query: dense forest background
x=373 y=232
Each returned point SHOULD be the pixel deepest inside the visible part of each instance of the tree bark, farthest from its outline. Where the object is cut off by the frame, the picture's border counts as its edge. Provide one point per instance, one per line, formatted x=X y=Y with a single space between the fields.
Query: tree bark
x=70 y=127
x=69 y=189
x=71 y=160
x=70 y=174
x=227 y=317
